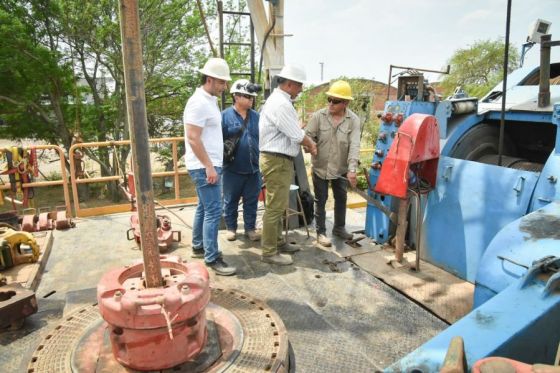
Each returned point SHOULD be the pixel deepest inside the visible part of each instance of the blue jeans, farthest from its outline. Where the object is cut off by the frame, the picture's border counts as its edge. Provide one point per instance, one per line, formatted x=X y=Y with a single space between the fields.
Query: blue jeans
x=236 y=186
x=208 y=214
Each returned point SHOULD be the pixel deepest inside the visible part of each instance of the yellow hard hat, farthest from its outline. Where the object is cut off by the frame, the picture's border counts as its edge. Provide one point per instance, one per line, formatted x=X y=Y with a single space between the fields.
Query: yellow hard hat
x=340 y=89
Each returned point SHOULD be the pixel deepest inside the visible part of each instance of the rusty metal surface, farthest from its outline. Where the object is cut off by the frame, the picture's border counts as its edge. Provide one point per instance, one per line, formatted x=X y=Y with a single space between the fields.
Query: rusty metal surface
x=138 y=122
x=455 y=361
x=92 y=352
x=16 y=303
x=252 y=338
x=540 y=226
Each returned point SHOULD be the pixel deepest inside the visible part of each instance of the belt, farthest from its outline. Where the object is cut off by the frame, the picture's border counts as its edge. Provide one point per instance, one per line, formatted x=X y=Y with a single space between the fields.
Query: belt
x=281 y=155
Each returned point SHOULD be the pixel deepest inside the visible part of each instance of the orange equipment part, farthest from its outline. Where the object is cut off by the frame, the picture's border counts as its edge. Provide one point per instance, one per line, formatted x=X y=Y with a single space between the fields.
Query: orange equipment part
x=415 y=151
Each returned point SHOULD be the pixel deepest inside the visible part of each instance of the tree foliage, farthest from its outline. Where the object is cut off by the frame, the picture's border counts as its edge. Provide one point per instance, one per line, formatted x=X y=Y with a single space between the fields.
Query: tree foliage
x=61 y=67
x=479 y=67
x=35 y=77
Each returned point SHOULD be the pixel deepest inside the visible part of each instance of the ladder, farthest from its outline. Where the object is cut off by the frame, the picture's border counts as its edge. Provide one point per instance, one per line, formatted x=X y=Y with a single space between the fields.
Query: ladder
x=251 y=44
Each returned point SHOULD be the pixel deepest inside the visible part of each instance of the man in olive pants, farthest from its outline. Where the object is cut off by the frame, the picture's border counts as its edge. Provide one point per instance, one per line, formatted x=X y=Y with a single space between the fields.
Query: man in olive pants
x=280 y=137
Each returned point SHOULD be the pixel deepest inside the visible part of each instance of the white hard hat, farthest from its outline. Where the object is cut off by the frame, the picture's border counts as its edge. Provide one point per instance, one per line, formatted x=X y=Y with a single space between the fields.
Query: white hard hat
x=293 y=72
x=240 y=86
x=216 y=68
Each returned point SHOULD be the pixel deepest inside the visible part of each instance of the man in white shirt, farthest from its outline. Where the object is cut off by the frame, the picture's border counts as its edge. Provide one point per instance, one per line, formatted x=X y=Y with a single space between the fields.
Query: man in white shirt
x=204 y=155
x=280 y=138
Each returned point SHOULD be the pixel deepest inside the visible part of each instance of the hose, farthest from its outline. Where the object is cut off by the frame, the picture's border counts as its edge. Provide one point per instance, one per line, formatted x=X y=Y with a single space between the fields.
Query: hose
x=264 y=42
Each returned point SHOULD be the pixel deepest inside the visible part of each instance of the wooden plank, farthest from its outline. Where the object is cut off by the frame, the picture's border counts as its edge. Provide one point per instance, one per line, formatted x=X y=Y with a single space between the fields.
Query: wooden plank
x=445 y=295
x=29 y=275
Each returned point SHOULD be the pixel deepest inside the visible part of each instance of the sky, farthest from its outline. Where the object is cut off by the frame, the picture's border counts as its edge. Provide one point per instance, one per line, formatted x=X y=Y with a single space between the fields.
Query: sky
x=361 y=38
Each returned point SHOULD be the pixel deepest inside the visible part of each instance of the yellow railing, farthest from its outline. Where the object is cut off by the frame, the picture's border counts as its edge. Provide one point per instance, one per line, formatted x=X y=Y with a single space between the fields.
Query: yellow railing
x=92 y=211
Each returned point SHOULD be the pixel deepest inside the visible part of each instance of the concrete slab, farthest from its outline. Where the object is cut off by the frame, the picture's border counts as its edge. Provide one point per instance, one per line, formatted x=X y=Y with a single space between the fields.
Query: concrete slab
x=339 y=318
x=445 y=295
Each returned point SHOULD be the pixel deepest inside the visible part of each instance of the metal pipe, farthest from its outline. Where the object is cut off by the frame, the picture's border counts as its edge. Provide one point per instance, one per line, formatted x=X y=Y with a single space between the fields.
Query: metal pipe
x=78 y=211
x=544 y=77
x=175 y=169
x=221 y=28
x=423 y=70
x=417 y=235
x=137 y=119
x=401 y=229
x=504 y=87
x=252 y=31
x=389 y=82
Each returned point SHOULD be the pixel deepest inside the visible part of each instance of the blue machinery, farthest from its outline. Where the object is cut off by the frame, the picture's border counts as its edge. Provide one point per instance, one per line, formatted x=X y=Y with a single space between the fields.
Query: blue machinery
x=495 y=226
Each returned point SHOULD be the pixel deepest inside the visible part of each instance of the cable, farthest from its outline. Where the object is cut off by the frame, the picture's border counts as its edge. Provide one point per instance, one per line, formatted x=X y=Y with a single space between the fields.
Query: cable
x=264 y=42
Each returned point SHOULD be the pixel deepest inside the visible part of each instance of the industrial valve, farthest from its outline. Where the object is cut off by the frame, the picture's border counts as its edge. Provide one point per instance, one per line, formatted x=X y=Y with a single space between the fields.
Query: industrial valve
x=387 y=117
x=382 y=137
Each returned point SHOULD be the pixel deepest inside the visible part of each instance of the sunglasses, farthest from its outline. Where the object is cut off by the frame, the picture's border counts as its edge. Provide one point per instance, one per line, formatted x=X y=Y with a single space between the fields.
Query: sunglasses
x=334 y=101
x=249 y=97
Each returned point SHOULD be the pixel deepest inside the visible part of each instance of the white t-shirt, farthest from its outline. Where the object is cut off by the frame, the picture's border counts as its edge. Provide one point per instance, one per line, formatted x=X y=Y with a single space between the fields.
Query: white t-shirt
x=202 y=111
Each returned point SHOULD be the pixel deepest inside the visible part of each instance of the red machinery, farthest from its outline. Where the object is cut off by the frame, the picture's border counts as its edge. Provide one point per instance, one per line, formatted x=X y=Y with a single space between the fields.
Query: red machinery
x=411 y=166
x=165 y=235
x=168 y=321
x=413 y=154
x=21 y=167
x=502 y=364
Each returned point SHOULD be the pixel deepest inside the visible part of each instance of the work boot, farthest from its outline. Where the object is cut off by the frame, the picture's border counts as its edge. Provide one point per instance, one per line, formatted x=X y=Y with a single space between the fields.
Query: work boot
x=279 y=259
x=197 y=253
x=221 y=268
x=341 y=232
x=253 y=235
x=323 y=240
x=288 y=248
x=231 y=235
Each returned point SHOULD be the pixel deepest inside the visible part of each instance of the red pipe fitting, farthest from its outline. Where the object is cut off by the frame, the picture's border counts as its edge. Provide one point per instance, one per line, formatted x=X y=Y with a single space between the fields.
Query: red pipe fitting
x=387 y=117
x=399 y=119
x=155 y=328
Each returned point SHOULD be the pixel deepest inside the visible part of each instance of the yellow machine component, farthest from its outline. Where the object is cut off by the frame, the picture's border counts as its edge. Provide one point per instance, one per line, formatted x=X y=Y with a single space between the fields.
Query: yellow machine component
x=23 y=246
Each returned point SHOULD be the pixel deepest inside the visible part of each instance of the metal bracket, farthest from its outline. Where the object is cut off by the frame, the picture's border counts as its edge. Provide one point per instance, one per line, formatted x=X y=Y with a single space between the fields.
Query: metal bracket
x=447 y=173
x=551 y=285
x=519 y=185
x=546 y=264
x=128 y=234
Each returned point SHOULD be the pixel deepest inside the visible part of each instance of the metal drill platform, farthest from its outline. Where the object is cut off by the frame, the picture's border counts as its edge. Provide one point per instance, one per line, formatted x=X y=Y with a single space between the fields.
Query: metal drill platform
x=338 y=316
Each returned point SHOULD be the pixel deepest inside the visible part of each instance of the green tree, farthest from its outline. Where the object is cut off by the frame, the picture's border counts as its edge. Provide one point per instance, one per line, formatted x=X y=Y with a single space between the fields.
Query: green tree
x=61 y=70
x=479 y=67
x=35 y=78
